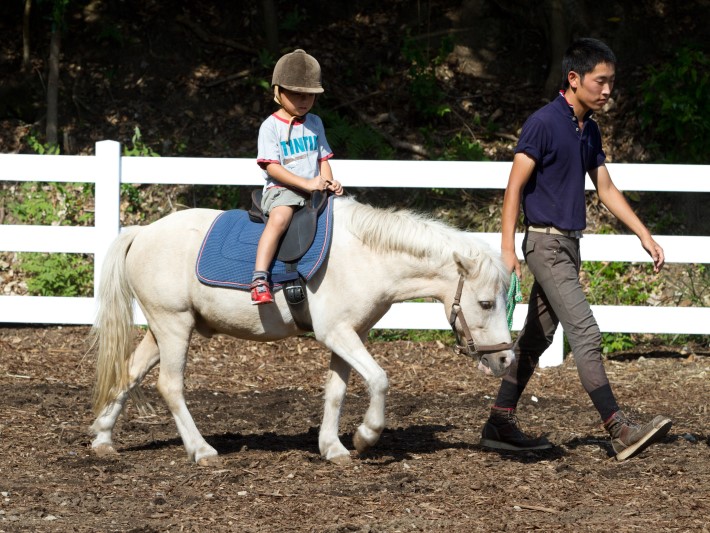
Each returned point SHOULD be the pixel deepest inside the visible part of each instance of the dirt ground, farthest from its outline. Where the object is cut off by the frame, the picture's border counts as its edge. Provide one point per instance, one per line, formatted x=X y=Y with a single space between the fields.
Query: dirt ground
x=259 y=405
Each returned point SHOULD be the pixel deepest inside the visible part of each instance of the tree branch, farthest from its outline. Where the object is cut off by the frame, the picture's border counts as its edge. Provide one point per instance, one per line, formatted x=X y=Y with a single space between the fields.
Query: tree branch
x=213 y=39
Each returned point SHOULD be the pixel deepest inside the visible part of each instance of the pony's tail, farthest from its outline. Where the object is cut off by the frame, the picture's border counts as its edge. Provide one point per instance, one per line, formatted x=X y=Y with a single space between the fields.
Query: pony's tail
x=112 y=333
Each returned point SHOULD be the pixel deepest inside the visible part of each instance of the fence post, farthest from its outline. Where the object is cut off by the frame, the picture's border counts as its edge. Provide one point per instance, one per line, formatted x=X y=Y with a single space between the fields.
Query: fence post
x=555 y=354
x=107 y=194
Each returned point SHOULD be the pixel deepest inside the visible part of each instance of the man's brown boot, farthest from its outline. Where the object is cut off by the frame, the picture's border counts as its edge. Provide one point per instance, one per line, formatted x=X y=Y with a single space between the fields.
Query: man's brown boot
x=502 y=432
x=629 y=438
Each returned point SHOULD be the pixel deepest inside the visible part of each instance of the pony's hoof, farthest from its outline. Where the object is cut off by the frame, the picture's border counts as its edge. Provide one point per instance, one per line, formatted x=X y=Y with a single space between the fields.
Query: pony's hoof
x=341 y=460
x=361 y=445
x=210 y=461
x=105 y=450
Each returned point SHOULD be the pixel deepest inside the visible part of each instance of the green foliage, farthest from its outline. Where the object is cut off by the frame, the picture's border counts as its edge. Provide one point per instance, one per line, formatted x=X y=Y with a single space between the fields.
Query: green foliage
x=617 y=283
x=682 y=340
x=41 y=148
x=32 y=205
x=111 y=34
x=698 y=286
x=130 y=196
x=217 y=196
x=58 y=204
x=692 y=286
x=676 y=104
x=55 y=204
x=461 y=147
x=412 y=335
x=426 y=95
x=57 y=274
x=293 y=20
x=616 y=342
x=139 y=147
x=56 y=11
x=267 y=61
x=354 y=140
x=129 y=192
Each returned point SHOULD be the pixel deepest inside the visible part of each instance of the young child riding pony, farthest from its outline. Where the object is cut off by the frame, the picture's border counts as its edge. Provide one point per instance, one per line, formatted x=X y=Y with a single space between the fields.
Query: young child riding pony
x=293 y=154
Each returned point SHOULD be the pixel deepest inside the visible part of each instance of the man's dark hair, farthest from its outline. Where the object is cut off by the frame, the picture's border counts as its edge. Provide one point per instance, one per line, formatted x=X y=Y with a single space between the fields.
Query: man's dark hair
x=583 y=56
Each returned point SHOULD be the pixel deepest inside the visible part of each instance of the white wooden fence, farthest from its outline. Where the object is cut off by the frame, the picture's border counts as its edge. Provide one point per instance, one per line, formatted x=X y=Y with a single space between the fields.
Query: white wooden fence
x=108 y=169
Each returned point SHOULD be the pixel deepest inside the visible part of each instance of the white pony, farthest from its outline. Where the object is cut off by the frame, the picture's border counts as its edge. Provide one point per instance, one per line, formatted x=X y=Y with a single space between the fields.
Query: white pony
x=377 y=257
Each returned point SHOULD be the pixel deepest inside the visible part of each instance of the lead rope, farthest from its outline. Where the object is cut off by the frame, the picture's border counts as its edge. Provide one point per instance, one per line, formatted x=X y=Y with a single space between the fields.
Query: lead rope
x=514 y=297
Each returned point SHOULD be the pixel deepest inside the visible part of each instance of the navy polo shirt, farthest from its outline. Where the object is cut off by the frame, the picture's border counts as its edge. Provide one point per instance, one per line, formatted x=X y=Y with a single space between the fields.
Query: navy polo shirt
x=554 y=194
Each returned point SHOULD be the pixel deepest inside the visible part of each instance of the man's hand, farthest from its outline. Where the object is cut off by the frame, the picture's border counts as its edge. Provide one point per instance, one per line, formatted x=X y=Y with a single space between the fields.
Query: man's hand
x=510 y=260
x=655 y=251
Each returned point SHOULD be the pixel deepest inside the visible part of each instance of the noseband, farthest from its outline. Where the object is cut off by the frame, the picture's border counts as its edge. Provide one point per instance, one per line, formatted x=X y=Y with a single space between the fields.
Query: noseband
x=470 y=348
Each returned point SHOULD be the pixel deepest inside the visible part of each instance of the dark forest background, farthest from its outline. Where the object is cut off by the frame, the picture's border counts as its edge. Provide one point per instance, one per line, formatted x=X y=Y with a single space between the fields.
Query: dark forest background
x=404 y=79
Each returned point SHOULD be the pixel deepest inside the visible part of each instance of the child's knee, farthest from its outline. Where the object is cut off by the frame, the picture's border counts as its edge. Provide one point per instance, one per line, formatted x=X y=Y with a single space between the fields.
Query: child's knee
x=279 y=219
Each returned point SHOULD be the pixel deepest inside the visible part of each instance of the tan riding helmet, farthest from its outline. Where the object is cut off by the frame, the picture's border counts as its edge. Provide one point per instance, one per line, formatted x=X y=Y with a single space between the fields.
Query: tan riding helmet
x=298 y=72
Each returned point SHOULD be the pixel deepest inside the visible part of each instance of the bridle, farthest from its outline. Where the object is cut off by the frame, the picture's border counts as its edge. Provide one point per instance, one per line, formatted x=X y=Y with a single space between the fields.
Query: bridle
x=470 y=348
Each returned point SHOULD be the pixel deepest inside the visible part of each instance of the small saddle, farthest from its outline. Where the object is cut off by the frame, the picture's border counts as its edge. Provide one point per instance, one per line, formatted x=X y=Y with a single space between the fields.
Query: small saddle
x=301 y=231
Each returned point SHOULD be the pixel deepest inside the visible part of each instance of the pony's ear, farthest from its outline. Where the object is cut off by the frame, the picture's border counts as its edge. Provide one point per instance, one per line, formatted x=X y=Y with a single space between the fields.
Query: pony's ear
x=467 y=267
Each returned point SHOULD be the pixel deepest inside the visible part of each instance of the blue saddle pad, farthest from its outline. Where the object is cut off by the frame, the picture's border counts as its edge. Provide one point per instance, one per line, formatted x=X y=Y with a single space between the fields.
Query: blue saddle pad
x=228 y=251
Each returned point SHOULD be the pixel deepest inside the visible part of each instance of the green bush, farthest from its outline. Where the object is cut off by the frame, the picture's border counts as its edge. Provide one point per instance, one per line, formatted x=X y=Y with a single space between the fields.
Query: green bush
x=139 y=147
x=57 y=204
x=354 y=140
x=463 y=148
x=616 y=342
x=676 y=104
x=425 y=92
x=57 y=274
x=618 y=283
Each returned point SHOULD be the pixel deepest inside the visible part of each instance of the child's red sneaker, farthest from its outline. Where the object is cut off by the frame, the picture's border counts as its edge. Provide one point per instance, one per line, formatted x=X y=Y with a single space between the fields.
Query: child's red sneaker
x=260 y=292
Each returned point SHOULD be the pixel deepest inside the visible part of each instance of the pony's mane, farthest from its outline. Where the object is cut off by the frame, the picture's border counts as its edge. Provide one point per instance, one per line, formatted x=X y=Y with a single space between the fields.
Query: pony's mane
x=418 y=235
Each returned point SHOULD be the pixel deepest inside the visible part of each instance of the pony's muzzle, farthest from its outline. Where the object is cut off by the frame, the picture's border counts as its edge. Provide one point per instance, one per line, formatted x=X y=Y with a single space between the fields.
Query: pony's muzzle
x=496 y=364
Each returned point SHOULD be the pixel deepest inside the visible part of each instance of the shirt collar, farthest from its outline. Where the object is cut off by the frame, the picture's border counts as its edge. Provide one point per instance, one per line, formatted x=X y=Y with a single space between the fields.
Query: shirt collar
x=586 y=117
x=295 y=120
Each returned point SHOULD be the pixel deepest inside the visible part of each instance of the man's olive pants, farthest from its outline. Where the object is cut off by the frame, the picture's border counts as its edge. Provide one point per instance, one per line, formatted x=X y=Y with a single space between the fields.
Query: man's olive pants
x=557 y=298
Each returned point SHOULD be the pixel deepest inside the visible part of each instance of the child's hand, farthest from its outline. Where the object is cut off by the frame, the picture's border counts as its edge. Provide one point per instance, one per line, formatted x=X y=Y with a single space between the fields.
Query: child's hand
x=335 y=187
x=320 y=183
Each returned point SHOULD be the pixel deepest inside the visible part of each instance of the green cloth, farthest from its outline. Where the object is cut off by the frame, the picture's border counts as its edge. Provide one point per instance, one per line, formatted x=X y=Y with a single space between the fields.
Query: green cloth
x=514 y=296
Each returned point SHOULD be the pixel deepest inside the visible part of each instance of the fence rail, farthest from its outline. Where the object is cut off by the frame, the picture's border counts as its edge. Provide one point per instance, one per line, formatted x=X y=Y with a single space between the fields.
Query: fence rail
x=108 y=169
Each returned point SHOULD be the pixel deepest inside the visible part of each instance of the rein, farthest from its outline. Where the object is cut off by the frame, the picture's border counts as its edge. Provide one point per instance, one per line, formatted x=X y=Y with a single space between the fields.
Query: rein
x=470 y=348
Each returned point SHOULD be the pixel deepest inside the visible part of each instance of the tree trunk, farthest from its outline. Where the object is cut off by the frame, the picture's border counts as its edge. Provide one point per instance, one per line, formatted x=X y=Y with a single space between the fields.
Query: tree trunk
x=558 y=36
x=53 y=86
x=271 y=26
x=26 y=35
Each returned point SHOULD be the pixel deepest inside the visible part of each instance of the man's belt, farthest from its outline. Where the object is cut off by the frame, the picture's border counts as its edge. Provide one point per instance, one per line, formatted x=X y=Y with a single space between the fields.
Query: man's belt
x=551 y=230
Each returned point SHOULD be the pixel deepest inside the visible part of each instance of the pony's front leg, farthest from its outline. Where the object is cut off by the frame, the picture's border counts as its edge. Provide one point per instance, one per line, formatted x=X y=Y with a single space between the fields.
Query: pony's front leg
x=143 y=359
x=336 y=385
x=351 y=349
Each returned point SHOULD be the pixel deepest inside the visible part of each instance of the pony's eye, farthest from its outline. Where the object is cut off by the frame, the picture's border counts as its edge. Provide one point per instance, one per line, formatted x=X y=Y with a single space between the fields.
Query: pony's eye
x=486 y=304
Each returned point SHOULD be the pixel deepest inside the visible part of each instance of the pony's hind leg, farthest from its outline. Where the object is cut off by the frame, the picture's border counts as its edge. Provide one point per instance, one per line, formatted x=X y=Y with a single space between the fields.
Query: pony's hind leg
x=173 y=350
x=142 y=360
x=336 y=385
